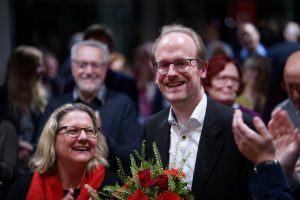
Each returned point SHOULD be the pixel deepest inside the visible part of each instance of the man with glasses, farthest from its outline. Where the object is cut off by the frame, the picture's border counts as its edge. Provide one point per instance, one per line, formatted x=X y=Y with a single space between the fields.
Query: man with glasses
x=195 y=132
x=117 y=115
x=291 y=84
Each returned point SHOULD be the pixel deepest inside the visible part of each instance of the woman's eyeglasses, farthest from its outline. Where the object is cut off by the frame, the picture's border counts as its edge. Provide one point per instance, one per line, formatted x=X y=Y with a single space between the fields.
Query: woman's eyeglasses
x=74 y=131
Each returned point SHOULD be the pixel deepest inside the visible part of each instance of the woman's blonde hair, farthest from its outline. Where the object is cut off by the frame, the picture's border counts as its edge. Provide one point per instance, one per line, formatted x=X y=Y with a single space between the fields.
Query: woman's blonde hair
x=25 y=91
x=44 y=158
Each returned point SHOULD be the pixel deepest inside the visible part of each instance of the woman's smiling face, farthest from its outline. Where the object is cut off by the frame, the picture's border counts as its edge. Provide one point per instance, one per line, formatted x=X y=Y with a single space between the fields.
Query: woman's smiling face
x=72 y=150
x=225 y=85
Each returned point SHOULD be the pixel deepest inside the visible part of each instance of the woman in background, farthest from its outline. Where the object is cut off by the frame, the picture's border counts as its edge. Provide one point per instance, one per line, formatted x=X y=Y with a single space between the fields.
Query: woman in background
x=23 y=98
x=256 y=74
x=222 y=82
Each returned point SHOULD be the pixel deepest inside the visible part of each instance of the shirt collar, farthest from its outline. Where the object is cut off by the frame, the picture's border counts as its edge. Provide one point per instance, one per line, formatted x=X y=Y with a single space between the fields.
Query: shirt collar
x=100 y=96
x=259 y=50
x=197 y=115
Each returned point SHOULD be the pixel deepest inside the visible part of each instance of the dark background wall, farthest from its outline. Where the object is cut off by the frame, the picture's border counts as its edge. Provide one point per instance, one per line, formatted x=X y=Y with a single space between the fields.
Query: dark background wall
x=51 y=23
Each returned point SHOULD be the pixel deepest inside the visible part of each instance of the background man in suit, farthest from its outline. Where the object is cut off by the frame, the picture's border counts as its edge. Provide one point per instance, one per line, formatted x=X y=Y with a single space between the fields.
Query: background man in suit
x=195 y=129
x=117 y=114
x=279 y=54
x=249 y=39
x=291 y=83
x=114 y=80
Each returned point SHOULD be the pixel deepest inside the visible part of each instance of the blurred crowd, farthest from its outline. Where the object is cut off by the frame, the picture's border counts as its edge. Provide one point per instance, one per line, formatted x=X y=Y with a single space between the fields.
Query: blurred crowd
x=254 y=78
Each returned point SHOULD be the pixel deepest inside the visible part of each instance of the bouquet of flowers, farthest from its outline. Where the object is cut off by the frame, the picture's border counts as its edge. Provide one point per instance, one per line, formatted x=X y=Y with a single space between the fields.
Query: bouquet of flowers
x=149 y=181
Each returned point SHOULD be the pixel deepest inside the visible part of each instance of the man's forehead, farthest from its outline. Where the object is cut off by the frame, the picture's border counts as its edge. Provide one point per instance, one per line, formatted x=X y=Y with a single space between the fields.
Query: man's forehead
x=293 y=63
x=173 y=37
x=88 y=51
x=88 y=47
x=292 y=73
x=178 y=45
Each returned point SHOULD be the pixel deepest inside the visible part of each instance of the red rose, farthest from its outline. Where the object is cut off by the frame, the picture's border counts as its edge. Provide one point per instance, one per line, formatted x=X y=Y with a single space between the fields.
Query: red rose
x=161 y=181
x=168 y=196
x=145 y=178
x=137 y=195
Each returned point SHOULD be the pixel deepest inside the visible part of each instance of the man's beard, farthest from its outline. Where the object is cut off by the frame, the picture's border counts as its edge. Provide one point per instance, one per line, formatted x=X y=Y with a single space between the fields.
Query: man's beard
x=89 y=88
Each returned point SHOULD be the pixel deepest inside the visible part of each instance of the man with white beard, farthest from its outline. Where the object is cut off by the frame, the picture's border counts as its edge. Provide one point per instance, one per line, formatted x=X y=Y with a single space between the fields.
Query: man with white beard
x=117 y=114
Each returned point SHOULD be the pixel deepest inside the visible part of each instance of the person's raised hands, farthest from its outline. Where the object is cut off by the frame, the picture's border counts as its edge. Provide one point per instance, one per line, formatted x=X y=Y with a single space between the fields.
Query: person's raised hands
x=256 y=146
x=286 y=140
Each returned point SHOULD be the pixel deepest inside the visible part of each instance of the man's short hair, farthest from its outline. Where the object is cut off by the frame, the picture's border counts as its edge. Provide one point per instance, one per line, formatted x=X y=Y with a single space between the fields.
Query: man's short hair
x=91 y=43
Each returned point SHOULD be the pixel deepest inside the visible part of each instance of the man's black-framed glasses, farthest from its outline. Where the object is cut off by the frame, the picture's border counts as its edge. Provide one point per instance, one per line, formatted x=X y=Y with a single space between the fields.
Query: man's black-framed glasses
x=181 y=65
x=74 y=131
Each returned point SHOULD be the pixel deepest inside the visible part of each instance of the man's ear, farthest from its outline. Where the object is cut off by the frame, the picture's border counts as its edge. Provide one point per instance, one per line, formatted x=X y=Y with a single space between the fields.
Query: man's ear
x=203 y=69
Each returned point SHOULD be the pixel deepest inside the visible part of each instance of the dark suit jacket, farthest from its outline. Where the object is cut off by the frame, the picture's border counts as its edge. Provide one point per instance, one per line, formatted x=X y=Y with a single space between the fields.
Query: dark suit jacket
x=122 y=83
x=270 y=183
x=119 y=124
x=221 y=171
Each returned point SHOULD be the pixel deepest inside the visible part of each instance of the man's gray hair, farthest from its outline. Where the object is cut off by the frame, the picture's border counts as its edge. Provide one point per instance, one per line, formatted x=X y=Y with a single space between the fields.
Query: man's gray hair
x=91 y=43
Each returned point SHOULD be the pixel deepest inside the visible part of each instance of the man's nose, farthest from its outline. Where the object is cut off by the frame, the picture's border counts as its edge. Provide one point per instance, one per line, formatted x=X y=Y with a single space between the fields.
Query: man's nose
x=172 y=70
x=89 y=69
x=295 y=93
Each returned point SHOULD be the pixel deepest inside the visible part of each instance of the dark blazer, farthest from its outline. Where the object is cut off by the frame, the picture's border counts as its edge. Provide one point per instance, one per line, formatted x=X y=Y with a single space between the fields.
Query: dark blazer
x=221 y=171
x=119 y=124
x=122 y=83
x=270 y=183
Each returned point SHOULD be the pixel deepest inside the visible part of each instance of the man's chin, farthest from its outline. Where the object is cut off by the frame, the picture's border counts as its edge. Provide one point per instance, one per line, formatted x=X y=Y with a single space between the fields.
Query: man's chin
x=88 y=89
x=175 y=99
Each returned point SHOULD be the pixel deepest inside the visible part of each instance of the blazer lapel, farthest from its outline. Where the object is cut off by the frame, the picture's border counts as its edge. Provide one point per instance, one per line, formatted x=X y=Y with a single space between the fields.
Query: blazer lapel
x=209 y=148
x=163 y=139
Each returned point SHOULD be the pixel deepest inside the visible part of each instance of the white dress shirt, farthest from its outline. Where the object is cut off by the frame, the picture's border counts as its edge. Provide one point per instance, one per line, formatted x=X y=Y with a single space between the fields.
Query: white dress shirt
x=185 y=140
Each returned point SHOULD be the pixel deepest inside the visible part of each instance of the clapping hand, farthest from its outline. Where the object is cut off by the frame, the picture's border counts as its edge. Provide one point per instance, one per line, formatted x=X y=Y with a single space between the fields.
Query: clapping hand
x=69 y=195
x=94 y=195
x=286 y=141
x=256 y=146
x=92 y=191
x=281 y=141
